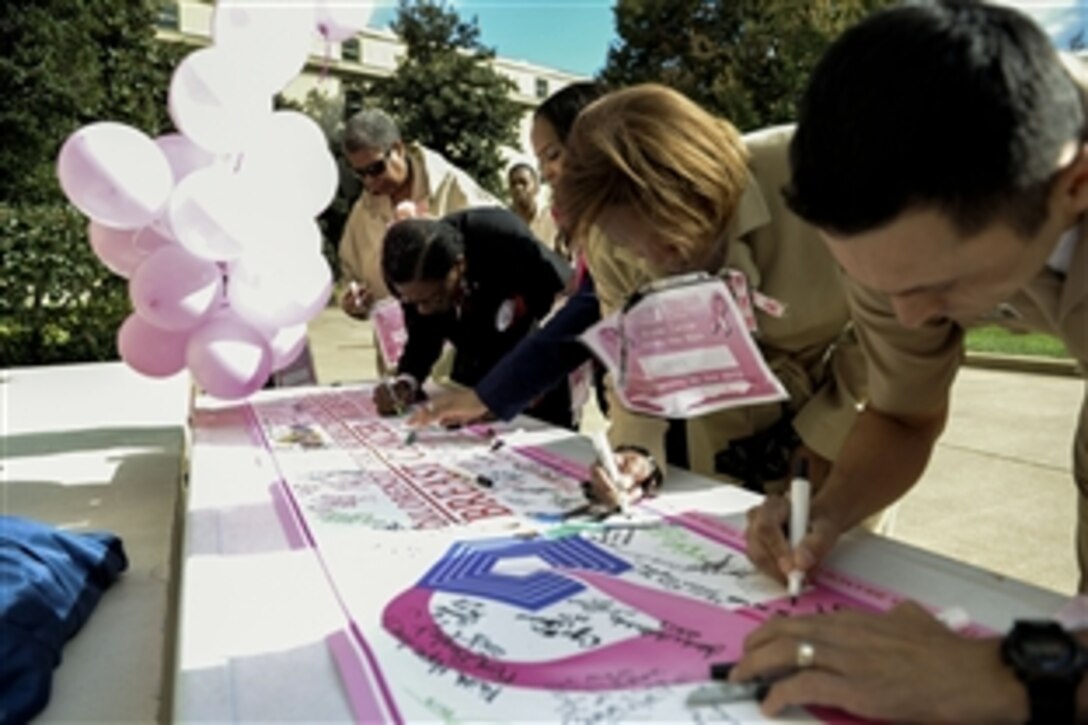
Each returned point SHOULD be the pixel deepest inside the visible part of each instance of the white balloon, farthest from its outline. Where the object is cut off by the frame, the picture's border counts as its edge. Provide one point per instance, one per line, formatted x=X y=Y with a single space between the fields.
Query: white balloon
x=212 y=215
x=269 y=42
x=124 y=250
x=214 y=104
x=183 y=155
x=286 y=344
x=288 y=163
x=273 y=291
x=114 y=174
x=280 y=235
x=229 y=358
x=341 y=19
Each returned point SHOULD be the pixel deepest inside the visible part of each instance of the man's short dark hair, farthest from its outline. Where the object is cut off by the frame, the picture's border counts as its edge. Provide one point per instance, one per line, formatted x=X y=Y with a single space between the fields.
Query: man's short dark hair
x=952 y=105
x=521 y=165
x=370 y=128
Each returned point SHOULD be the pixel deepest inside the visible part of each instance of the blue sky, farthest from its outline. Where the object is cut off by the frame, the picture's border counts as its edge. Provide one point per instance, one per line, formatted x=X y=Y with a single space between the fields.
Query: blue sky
x=569 y=35
x=574 y=35
x=1062 y=19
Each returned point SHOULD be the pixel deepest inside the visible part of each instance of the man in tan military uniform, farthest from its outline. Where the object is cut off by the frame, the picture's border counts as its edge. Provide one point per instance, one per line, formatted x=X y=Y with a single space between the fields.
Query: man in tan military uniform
x=395 y=175
x=809 y=347
x=941 y=147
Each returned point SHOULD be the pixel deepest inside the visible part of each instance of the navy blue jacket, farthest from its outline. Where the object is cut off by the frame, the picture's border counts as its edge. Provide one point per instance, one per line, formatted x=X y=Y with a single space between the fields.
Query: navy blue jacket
x=543 y=359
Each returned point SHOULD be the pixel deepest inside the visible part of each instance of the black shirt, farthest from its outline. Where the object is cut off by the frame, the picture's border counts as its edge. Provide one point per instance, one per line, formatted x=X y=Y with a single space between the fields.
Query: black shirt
x=510 y=283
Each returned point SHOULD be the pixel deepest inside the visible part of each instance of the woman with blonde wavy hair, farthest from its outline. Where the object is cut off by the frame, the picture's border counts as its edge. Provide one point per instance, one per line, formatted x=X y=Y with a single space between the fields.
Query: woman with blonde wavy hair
x=683 y=191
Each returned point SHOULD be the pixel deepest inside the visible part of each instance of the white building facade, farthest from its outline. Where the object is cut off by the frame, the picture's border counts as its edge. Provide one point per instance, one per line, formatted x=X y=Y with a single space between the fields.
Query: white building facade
x=371 y=54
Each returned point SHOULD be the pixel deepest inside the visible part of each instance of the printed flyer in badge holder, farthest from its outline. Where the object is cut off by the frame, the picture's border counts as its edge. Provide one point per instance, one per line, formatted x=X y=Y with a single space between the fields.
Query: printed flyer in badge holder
x=388 y=319
x=683 y=350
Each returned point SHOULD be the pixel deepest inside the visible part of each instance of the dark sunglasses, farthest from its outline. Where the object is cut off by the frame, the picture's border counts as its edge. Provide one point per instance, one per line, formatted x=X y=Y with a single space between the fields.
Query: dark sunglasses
x=375 y=168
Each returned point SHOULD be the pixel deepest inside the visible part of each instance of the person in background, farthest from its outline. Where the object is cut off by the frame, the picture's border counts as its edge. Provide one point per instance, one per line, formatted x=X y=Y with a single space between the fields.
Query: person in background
x=524 y=189
x=394 y=175
x=541 y=361
x=453 y=278
x=941 y=150
x=682 y=191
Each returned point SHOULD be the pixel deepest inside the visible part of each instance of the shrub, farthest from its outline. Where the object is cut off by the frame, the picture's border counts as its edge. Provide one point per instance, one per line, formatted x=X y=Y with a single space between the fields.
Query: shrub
x=58 y=303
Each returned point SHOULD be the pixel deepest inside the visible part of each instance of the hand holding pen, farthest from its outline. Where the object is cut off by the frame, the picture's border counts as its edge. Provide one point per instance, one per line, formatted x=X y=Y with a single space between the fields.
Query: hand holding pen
x=768 y=534
x=637 y=469
x=800 y=494
x=392 y=397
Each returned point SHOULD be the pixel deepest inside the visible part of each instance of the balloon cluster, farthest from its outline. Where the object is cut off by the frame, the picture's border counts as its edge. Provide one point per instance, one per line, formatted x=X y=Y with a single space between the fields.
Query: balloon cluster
x=214 y=227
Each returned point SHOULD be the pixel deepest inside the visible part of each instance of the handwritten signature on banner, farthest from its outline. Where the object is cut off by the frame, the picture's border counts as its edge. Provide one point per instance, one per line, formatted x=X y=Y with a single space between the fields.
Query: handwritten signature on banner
x=588 y=623
x=346 y=466
x=576 y=612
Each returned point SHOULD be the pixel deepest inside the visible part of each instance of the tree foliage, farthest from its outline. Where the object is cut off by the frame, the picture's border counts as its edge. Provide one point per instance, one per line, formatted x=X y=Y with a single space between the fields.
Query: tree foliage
x=69 y=64
x=445 y=94
x=58 y=303
x=747 y=60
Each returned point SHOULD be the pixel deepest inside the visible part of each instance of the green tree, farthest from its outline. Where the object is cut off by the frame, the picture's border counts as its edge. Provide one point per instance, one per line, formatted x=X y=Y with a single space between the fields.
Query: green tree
x=445 y=93
x=747 y=60
x=68 y=64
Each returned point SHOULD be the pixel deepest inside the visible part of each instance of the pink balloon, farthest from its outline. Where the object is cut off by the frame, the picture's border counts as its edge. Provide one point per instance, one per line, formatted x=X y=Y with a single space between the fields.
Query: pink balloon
x=114 y=174
x=150 y=239
x=174 y=290
x=229 y=358
x=115 y=248
x=151 y=350
x=183 y=155
x=124 y=250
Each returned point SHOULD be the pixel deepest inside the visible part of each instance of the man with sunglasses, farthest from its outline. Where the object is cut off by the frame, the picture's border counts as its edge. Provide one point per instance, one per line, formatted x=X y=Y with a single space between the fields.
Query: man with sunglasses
x=399 y=179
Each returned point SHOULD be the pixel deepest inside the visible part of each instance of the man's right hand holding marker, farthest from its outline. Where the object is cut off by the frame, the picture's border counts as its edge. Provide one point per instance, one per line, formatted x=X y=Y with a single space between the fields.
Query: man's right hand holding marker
x=642 y=477
x=392 y=397
x=768 y=544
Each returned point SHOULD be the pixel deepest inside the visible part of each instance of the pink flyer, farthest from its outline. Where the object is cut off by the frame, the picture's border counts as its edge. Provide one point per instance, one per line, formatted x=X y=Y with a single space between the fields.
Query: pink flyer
x=388 y=319
x=684 y=351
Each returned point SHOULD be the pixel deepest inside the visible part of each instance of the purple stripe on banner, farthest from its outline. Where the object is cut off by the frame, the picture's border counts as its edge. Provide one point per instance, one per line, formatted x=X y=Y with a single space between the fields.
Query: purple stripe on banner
x=390 y=703
x=354 y=678
x=564 y=465
x=300 y=536
x=296 y=539
x=253 y=427
x=287 y=510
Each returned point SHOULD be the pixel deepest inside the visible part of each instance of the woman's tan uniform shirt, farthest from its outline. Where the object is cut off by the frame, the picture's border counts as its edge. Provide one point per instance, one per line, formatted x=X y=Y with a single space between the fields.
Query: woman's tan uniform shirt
x=809 y=347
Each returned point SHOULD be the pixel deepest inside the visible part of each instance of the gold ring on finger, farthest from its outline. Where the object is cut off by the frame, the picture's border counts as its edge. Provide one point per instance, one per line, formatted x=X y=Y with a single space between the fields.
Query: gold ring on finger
x=806 y=655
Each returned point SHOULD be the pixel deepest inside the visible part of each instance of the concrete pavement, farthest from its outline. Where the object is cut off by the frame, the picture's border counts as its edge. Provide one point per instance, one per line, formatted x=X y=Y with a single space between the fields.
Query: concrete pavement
x=998 y=493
